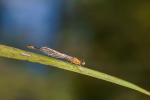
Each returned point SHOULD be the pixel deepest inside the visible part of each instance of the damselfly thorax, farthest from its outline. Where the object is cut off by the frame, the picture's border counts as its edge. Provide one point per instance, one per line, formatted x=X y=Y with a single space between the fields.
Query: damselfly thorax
x=56 y=54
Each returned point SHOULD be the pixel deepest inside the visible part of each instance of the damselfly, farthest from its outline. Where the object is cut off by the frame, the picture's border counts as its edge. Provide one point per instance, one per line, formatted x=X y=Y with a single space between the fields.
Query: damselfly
x=56 y=54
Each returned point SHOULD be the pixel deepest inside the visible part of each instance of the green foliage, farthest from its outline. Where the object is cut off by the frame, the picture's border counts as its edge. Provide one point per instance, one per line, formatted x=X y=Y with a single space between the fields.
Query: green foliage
x=14 y=53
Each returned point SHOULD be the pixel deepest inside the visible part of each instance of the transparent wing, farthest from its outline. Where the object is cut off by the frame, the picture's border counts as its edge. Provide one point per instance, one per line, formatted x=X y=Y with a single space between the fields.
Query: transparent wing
x=53 y=53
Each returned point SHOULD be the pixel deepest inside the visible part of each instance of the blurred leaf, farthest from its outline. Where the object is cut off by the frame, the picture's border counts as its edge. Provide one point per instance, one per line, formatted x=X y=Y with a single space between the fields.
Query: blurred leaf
x=14 y=53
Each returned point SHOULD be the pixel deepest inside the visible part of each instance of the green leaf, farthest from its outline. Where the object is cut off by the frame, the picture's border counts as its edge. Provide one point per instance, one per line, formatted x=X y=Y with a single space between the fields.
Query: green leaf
x=14 y=53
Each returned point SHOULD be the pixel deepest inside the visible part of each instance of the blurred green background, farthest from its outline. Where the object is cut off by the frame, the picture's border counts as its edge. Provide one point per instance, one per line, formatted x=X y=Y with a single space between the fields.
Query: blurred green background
x=111 y=36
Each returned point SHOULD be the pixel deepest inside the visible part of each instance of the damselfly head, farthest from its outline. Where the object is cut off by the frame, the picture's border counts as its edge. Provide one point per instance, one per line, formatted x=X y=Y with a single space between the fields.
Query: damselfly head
x=77 y=61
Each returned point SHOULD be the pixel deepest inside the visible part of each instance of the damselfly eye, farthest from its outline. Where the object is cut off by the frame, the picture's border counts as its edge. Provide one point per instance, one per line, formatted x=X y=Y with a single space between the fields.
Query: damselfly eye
x=83 y=63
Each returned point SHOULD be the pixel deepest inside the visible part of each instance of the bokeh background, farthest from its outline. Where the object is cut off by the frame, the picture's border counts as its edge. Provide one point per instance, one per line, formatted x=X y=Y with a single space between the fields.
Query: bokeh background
x=112 y=36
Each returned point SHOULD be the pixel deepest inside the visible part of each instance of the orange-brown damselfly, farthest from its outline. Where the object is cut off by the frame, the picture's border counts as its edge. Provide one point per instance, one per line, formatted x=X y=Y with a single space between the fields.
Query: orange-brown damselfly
x=56 y=54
